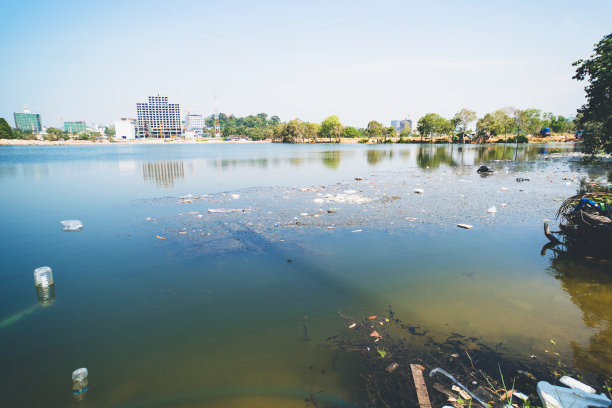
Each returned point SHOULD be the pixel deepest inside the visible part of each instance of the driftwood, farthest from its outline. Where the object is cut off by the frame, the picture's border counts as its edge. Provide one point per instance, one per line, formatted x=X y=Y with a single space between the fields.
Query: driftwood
x=549 y=234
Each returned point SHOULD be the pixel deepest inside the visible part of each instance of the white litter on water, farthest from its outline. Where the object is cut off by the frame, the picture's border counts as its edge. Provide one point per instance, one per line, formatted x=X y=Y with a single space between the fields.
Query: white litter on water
x=419 y=191
x=492 y=210
x=72 y=225
x=343 y=198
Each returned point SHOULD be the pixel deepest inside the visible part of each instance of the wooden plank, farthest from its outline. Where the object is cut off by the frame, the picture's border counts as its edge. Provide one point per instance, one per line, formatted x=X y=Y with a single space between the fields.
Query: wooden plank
x=421 y=389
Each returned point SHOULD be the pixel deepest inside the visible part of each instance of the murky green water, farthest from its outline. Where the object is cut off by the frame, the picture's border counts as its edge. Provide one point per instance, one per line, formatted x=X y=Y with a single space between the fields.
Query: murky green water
x=230 y=309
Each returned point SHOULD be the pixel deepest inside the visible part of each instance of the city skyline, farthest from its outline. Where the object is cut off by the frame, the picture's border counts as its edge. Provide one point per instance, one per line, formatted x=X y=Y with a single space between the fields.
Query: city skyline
x=296 y=60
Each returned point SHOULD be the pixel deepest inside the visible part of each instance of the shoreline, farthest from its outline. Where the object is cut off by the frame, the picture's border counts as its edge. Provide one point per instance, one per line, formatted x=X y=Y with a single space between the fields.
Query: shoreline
x=25 y=142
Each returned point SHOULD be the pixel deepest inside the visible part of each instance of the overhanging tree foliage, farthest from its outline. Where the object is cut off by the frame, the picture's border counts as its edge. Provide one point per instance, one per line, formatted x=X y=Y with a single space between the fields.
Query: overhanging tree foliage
x=596 y=115
x=5 y=130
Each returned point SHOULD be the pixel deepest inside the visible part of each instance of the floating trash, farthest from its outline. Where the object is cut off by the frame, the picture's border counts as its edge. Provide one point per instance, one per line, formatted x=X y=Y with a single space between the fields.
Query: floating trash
x=391 y=367
x=45 y=295
x=228 y=210
x=492 y=209
x=80 y=383
x=419 y=191
x=72 y=225
x=43 y=276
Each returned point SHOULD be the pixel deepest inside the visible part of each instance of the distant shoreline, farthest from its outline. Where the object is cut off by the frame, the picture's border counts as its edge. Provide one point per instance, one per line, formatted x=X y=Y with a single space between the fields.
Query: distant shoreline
x=24 y=142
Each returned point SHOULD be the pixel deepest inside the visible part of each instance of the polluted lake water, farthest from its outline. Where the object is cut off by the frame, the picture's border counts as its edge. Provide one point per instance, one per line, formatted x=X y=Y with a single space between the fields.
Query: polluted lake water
x=231 y=275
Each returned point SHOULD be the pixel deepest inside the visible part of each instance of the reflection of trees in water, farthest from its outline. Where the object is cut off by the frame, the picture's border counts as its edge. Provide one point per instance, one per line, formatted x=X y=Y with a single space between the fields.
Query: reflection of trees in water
x=165 y=174
x=375 y=156
x=331 y=159
x=510 y=151
x=590 y=289
x=433 y=156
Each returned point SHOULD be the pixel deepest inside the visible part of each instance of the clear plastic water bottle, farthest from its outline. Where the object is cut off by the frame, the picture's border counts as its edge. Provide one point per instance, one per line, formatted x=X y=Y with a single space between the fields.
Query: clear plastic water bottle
x=43 y=276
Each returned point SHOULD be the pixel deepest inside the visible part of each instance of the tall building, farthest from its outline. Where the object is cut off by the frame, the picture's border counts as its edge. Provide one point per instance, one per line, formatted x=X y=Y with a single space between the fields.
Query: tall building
x=395 y=124
x=158 y=118
x=125 y=129
x=28 y=121
x=405 y=124
x=75 y=127
x=194 y=125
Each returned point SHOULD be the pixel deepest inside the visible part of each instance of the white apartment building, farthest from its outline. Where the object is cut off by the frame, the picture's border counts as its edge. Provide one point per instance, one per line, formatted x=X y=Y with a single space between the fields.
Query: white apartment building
x=194 y=125
x=125 y=129
x=158 y=118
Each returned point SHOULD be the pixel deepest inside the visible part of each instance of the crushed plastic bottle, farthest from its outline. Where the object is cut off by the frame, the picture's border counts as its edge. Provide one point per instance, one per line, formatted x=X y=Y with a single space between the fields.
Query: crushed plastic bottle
x=80 y=383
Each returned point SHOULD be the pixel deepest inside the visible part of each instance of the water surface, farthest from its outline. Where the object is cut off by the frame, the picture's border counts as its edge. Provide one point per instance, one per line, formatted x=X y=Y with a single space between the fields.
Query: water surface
x=231 y=308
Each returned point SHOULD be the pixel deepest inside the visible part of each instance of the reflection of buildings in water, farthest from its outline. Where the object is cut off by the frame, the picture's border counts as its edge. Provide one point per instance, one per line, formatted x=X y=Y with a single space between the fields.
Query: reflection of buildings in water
x=590 y=289
x=36 y=171
x=165 y=174
x=45 y=295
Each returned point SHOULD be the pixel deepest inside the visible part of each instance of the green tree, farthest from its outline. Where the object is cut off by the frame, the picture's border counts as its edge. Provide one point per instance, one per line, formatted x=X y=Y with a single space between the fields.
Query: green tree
x=596 y=119
x=405 y=133
x=558 y=124
x=504 y=120
x=487 y=127
x=433 y=124
x=534 y=121
x=331 y=128
x=388 y=133
x=464 y=117
x=109 y=131
x=227 y=131
x=5 y=130
x=278 y=131
x=351 y=132
x=374 y=130
x=311 y=131
x=54 y=134
x=294 y=131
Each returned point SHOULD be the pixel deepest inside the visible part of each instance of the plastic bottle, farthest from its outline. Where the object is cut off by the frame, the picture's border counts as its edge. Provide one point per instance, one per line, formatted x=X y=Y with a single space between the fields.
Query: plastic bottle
x=79 y=382
x=43 y=276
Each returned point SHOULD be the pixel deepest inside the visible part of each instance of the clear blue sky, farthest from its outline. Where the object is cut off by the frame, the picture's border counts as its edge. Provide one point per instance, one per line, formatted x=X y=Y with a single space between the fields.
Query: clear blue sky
x=360 y=60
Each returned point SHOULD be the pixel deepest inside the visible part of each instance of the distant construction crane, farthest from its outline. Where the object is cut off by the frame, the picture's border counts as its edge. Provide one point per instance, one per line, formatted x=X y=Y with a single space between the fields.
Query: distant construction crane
x=217 y=125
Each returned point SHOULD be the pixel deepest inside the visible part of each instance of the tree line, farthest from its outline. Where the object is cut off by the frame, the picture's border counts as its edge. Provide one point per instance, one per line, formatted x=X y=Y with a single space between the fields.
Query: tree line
x=503 y=121
x=506 y=121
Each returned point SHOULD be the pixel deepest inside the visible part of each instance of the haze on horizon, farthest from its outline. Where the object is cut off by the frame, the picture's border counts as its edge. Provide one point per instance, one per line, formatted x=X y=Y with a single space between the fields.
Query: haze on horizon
x=360 y=60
